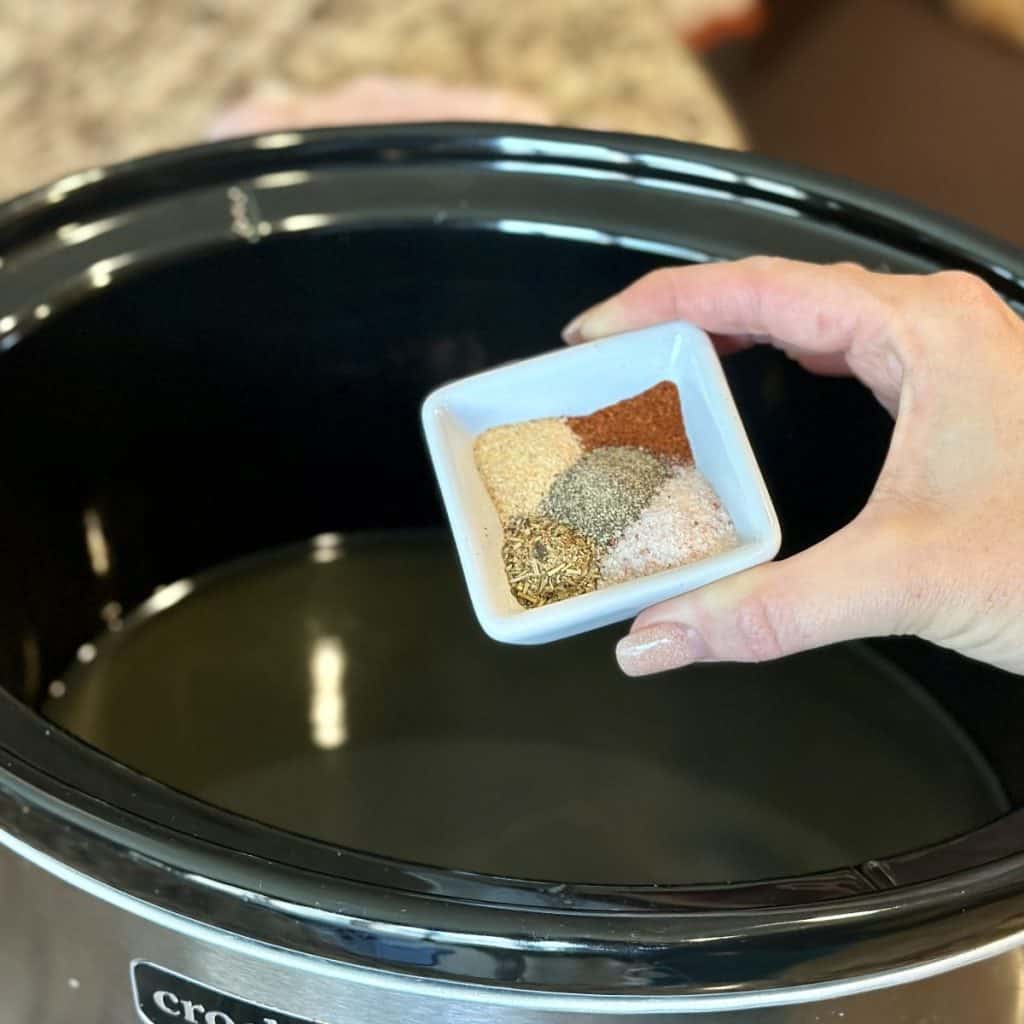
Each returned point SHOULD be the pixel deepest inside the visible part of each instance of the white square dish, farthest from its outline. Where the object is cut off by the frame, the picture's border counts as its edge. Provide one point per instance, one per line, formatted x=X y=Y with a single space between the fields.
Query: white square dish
x=577 y=381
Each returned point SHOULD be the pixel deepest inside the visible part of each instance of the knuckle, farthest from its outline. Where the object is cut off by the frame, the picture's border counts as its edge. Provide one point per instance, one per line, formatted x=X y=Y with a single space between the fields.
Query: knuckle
x=661 y=276
x=757 y=629
x=960 y=286
x=660 y=282
x=761 y=272
x=849 y=267
x=764 y=265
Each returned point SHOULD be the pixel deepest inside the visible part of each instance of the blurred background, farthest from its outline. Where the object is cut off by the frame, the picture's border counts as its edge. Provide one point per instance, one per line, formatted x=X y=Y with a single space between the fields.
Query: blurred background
x=922 y=97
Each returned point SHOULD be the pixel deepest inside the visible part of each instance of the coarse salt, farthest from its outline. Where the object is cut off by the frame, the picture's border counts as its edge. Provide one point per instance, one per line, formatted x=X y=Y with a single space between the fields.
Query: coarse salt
x=684 y=522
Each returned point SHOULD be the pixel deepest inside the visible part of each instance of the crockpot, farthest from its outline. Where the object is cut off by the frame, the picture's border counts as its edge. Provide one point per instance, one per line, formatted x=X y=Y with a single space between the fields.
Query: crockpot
x=214 y=352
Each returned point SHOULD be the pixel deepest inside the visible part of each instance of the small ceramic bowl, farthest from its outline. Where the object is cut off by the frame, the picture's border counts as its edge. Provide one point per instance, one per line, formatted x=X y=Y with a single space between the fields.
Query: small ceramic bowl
x=577 y=381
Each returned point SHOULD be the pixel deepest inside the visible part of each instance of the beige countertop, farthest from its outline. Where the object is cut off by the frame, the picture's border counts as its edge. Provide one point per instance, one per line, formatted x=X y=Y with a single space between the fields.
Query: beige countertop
x=86 y=82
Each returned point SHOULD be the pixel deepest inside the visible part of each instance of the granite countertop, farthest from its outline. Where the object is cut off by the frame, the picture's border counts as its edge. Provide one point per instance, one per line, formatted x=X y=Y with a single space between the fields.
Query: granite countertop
x=86 y=82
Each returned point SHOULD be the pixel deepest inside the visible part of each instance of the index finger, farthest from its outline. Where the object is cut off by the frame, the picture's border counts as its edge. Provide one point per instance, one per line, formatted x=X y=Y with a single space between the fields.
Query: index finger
x=803 y=306
x=817 y=314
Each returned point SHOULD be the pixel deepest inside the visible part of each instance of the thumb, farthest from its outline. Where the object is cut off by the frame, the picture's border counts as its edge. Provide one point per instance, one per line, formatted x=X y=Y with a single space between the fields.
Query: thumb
x=855 y=584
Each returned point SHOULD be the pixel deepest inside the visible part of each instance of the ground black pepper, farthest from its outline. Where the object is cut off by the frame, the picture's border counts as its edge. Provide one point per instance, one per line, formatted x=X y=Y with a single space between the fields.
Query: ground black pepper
x=605 y=490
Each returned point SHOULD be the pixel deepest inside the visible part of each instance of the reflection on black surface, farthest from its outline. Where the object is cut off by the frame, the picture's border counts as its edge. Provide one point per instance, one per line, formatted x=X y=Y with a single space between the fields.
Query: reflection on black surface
x=343 y=690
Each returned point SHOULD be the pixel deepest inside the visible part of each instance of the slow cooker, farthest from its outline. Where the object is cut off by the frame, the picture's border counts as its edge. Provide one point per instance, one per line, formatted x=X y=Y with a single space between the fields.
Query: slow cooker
x=258 y=764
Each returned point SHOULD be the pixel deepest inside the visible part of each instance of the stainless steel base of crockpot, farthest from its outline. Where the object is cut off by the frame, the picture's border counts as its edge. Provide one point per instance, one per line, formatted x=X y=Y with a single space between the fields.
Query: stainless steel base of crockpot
x=68 y=945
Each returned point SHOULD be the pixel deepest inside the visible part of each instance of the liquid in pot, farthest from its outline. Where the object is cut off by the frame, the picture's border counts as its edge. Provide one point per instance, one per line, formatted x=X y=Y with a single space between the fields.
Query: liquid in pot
x=344 y=691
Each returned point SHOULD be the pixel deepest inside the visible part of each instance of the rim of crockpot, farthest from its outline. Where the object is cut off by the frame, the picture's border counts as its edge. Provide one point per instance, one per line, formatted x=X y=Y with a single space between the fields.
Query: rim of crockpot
x=65 y=800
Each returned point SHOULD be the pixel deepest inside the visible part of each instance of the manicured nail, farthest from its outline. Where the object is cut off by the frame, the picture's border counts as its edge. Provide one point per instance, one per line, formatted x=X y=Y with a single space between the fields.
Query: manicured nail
x=571 y=333
x=658 y=648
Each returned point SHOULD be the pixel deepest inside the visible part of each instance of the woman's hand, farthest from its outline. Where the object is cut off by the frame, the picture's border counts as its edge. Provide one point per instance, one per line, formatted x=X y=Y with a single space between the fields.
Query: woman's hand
x=938 y=551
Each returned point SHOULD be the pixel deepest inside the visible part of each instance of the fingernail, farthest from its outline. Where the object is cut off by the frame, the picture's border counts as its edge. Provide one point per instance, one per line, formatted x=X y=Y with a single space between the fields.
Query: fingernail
x=658 y=648
x=571 y=333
